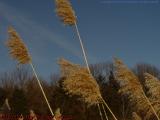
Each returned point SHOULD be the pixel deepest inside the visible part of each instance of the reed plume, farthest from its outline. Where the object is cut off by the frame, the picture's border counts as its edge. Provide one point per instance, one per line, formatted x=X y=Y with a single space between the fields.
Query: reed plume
x=135 y=116
x=18 y=51
x=131 y=88
x=65 y=12
x=79 y=82
x=152 y=85
x=17 y=48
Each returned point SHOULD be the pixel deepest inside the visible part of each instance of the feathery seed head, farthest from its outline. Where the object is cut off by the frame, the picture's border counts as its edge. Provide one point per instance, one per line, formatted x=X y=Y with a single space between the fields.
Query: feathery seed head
x=124 y=75
x=17 y=48
x=68 y=68
x=80 y=83
x=130 y=87
x=65 y=12
x=153 y=86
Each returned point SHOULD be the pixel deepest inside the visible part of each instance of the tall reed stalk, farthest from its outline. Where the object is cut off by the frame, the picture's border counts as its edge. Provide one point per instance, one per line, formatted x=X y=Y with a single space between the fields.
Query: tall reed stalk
x=67 y=15
x=19 y=51
x=100 y=111
x=104 y=112
x=87 y=65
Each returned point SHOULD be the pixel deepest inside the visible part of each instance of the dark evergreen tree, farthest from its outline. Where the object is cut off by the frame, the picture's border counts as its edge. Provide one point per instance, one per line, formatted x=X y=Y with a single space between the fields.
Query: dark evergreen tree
x=19 y=102
x=2 y=96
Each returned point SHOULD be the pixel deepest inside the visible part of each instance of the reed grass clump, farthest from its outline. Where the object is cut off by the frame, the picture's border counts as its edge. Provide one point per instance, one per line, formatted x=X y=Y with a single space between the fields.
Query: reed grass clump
x=131 y=88
x=80 y=83
x=152 y=85
x=65 y=12
x=17 y=48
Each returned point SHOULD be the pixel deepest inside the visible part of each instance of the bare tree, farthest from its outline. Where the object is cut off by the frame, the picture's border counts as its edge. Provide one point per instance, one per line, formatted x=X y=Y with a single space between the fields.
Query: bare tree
x=142 y=68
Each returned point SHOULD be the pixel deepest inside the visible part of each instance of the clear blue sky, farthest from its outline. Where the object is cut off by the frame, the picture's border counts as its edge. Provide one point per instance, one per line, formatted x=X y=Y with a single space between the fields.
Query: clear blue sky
x=129 y=29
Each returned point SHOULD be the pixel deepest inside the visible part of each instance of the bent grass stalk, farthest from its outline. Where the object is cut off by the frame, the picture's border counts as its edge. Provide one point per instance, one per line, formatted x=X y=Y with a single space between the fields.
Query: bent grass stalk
x=39 y=83
x=109 y=109
x=67 y=15
x=104 y=112
x=87 y=65
x=151 y=106
x=82 y=47
x=86 y=61
x=19 y=51
x=100 y=111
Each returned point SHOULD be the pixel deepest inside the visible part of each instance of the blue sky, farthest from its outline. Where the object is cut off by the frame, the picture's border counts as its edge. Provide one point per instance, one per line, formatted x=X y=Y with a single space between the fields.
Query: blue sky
x=128 y=29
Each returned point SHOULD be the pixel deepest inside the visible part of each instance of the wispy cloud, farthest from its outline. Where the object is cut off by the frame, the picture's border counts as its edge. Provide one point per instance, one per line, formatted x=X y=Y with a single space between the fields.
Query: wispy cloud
x=39 y=35
x=39 y=38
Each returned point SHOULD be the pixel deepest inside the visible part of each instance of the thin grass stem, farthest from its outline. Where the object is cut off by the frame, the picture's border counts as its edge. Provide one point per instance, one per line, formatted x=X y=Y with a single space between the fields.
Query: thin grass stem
x=82 y=47
x=151 y=105
x=86 y=61
x=44 y=95
x=109 y=109
x=100 y=113
x=104 y=112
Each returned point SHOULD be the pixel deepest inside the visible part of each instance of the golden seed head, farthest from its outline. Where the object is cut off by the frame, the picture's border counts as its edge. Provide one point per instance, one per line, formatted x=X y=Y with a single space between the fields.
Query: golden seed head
x=65 y=12
x=130 y=87
x=80 y=83
x=153 y=91
x=17 y=48
x=153 y=85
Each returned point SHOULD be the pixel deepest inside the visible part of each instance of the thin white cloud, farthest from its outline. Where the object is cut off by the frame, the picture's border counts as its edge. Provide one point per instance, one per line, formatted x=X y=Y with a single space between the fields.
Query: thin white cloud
x=39 y=37
x=37 y=31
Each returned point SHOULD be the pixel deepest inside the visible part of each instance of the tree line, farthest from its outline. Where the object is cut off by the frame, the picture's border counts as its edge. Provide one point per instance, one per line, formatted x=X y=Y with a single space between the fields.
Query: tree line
x=22 y=91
